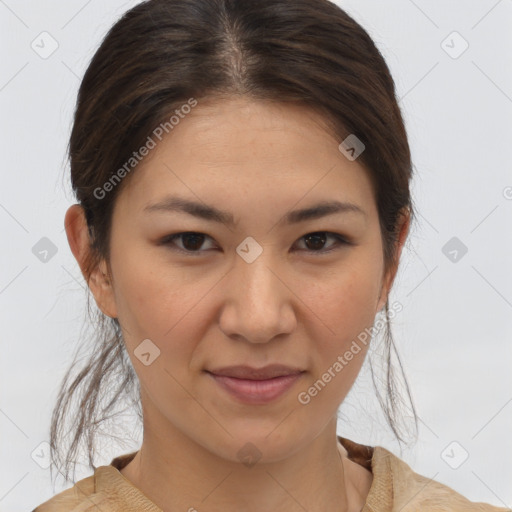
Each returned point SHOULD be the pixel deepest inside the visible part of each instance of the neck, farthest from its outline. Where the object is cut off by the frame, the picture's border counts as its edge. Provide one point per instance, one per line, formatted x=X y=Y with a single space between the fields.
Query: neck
x=177 y=473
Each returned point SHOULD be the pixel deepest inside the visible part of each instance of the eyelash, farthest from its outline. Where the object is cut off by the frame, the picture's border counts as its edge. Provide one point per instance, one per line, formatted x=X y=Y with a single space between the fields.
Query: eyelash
x=169 y=241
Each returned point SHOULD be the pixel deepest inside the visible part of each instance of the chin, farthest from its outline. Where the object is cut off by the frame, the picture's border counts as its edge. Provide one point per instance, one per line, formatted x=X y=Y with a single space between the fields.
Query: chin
x=258 y=447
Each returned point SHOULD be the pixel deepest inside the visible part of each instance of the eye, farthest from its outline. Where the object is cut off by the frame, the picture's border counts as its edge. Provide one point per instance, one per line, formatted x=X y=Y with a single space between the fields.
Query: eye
x=192 y=242
x=318 y=238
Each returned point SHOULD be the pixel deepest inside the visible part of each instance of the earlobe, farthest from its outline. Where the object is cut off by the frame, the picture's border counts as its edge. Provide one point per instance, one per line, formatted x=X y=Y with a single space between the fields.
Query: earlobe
x=75 y=224
x=382 y=298
x=97 y=279
x=404 y=222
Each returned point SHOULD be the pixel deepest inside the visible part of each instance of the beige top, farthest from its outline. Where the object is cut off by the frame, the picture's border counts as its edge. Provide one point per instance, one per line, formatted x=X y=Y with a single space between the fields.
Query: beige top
x=395 y=487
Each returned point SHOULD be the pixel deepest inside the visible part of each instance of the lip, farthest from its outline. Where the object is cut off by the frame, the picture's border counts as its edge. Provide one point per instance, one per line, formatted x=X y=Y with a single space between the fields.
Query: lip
x=267 y=384
x=256 y=391
x=247 y=372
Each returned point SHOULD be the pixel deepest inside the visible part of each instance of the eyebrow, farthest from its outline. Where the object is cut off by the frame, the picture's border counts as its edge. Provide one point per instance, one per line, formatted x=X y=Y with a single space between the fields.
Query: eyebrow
x=213 y=214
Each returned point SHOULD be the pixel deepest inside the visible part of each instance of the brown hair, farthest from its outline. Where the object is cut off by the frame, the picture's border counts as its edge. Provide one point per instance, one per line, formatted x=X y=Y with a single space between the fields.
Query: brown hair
x=153 y=60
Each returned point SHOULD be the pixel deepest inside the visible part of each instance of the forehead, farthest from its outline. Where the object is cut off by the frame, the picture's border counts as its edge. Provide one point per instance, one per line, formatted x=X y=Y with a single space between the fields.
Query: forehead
x=250 y=152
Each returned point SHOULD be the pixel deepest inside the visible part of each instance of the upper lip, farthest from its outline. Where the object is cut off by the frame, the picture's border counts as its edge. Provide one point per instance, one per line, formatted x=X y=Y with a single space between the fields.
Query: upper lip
x=247 y=372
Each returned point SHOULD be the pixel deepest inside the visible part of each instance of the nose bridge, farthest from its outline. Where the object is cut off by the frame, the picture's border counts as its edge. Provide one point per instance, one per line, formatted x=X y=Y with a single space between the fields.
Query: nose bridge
x=253 y=271
x=256 y=296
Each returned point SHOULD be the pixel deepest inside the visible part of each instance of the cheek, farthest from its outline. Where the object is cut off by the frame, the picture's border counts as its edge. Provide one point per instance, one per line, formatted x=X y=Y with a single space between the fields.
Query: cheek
x=345 y=301
x=163 y=304
x=342 y=313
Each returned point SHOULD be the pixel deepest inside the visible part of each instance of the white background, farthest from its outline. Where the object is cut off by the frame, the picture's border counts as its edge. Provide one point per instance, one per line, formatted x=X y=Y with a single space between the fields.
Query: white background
x=455 y=332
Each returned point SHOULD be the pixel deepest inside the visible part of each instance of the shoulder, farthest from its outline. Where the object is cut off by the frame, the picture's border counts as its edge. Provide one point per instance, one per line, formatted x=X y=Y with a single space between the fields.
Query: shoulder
x=107 y=490
x=396 y=487
x=82 y=496
x=410 y=491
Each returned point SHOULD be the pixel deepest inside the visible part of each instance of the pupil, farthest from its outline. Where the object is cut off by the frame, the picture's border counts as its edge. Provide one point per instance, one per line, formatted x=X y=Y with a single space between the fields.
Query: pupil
x=198 y=238
x=319 y=237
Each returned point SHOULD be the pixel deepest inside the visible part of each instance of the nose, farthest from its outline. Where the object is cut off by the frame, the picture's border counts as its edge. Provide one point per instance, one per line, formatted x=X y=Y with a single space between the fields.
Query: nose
x=259 y=304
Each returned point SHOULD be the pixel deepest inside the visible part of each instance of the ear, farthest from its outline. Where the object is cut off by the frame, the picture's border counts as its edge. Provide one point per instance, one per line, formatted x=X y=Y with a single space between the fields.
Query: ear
x=99 y=280
x=404 y=221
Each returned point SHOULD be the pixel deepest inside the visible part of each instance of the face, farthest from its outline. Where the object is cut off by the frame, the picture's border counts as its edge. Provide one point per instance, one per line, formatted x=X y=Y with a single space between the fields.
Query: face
x=270 y=288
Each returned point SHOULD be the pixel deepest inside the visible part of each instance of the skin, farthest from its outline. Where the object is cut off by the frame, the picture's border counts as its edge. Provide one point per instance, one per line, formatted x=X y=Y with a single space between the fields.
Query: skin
x=292 y=305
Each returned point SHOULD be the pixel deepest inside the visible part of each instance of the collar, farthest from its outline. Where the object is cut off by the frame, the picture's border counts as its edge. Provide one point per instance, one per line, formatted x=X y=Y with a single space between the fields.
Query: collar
x=378 y=460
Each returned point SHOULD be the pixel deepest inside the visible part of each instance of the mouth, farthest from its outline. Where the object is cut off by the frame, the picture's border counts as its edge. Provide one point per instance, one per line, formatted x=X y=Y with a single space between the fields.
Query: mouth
x=256 y=386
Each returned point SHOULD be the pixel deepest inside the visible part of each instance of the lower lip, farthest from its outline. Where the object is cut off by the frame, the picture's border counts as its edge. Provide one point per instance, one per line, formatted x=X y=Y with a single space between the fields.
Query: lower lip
x=256 y=391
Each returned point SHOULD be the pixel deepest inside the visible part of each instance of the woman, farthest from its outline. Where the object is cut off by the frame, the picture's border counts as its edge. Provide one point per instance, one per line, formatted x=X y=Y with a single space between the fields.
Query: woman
x=242 y=174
